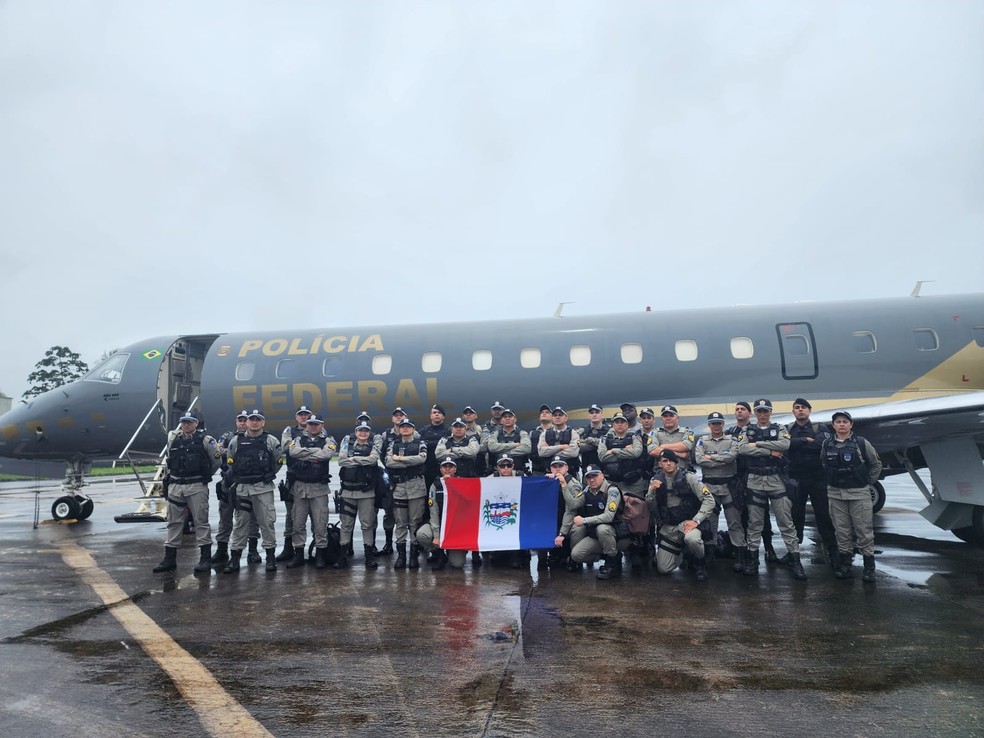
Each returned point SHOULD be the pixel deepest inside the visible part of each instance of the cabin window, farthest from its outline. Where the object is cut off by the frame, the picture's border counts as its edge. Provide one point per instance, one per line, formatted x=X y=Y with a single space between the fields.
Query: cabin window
x=245 y=371
x=686 y=350
x=110 y=371
x=382 y=364
x=431 y=362
x=529 y=358
x=286 y=369
x=330 y=367
x=796 y=344
x=926 y=339
x=580 y=355
x=864 y=342
x=979 y=335
x=742 y=347
x=481 y=360
x=631 y=353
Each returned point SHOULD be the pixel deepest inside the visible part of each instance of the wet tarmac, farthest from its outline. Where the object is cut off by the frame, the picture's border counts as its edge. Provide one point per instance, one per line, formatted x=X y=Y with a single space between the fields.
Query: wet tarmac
x=478 y=652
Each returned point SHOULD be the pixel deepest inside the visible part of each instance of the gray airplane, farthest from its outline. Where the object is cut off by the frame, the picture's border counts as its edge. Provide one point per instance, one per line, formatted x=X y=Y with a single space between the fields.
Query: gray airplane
x=910 y=369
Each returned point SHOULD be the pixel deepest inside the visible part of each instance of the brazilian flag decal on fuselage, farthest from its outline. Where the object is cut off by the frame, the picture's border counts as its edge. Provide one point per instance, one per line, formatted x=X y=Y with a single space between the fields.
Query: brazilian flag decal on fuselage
x=152 y=354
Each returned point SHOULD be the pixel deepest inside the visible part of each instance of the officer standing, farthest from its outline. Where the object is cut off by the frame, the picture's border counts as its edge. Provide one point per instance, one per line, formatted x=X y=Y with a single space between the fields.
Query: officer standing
x=307 y=458
x=290 y=433
x=631 y=416
x=508 y=439
x=764 y=445
x=805 y=441
x=429 y=534
x=386 y=439
x=405 y=462
x=560 y=440
x=679 y=503
x=227 y=504
x=254 y=460
x=358 y=470
x=852 y=465
x=595 y=526
x=540 y=464
x=620 y=452
x=431 y=435
x=461 y=447
x=673 y=437
x=743 y=416
x=192 y=459
x=589 y=435
x=717 y=457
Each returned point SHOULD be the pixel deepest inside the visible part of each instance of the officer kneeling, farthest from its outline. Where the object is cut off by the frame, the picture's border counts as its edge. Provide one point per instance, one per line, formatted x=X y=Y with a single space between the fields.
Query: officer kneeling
x=679 y=503
x=597 y=528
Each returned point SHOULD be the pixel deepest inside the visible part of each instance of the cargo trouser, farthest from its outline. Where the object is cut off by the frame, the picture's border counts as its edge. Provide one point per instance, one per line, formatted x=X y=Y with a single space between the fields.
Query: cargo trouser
x=194 y=499
x=310 y=500
x=851 y=512
x=226 y=515
x=409 y=505
x=357 y=503
x=732 y=515
x=671 y=540
x=590 y=542
x=758 y=503
x=258 y=500
x=425 y=539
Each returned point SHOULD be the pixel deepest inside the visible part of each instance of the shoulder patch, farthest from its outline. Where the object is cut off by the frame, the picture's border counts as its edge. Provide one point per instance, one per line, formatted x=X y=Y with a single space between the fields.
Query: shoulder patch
x=704 y=490
x=613 y=506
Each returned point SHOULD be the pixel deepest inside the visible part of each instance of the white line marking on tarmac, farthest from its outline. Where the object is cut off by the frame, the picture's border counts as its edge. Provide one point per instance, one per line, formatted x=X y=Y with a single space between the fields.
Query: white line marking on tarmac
x=220 y=714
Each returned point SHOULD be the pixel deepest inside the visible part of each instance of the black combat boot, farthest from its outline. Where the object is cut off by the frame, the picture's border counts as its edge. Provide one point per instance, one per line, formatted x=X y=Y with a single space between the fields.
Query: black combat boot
x=233 y=565
x=341 y=562
x=370 y=561
x=700 y=569
x=739 y=566
x=796 y=566
x=751 y=568
x=514 y=560
x=440 y=560
x=221 y=554
x=414 y=553
x=387 y=550
x=612 y=567
x=770 y=551
x=169 y=562
x=253 y=555
x=205 y=560
x=868 y=572
x=401 y=556
x=834 y=555
x=320 y=558
x=349 y=551
x=271 y=558
x=476 y=560
x=287 y=554
x=298 y=558
x=845 y=566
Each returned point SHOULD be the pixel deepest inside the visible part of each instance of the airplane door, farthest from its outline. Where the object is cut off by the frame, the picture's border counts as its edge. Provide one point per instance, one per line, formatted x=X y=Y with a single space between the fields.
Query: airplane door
x=798 y=350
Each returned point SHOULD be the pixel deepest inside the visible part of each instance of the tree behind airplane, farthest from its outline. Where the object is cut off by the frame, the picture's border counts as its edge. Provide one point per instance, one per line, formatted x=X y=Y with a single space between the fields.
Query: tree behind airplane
x=59 y=366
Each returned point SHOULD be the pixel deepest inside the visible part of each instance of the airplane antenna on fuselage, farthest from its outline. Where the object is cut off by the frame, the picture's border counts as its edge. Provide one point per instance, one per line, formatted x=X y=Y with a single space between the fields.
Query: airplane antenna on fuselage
x=919 y=284
x=560 y=308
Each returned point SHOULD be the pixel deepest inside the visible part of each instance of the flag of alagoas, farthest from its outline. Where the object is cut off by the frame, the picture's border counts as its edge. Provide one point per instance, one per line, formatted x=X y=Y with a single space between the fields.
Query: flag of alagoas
x=499 y=513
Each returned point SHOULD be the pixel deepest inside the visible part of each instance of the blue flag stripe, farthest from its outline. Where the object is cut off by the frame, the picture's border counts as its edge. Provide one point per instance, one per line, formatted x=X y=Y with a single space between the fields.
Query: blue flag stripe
x=538 y=519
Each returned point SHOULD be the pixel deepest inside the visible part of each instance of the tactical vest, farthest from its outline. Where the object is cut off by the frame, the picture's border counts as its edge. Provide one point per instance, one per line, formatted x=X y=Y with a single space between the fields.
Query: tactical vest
x=187 y=459
x=648 y=463
x=465 y=466
x=684 y=504
x=590 y=455
x=403 y=473
x=537 y=463
x=502 y=437
x=844 y=465
x=362 y=477
x=806 y=461
x=594 y=502
x=555 y=438
x=306 y=470
x=621 y=470
x=254 y=462
x=763 y=465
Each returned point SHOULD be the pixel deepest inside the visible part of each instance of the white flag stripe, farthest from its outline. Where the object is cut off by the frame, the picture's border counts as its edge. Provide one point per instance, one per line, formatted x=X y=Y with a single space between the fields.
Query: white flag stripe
x=499 y=492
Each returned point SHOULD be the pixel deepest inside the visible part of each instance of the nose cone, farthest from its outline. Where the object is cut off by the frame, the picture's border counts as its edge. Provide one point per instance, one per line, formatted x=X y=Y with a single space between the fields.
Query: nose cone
x=38 y=428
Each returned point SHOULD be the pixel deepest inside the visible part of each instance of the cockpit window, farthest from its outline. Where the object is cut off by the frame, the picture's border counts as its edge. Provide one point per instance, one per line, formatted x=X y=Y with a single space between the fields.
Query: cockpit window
x=110 y=371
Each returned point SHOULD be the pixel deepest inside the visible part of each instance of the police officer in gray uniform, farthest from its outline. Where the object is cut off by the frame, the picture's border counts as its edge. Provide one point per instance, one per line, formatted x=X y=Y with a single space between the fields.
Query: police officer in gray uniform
x=717 y=457
x=307 y=458
x=673 y=436
x=461 y=447
x=254 y=460
x=764 y=445
x=852 y=465
x=358 y=470
x=595 y=525
x=590 y=434
x=620 y=453
x=680 y=504
x=286 y=495
x=508 y=439
x=405 y=463
x=572 y=499
x=429 y=534
x=227 y=505
x=192 y=459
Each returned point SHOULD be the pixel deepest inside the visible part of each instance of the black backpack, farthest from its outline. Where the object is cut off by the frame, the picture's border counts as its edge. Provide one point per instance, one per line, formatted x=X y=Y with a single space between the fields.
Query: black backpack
x=333 y=553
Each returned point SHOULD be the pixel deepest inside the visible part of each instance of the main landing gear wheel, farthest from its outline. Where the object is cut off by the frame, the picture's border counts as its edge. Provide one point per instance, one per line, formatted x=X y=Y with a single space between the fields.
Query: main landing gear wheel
x=86 y=506
x=67 y=508
x=877 y=497
x=973 y=533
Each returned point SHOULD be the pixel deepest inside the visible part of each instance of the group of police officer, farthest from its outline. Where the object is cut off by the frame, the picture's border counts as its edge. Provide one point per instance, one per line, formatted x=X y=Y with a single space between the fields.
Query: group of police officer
x=627 y=487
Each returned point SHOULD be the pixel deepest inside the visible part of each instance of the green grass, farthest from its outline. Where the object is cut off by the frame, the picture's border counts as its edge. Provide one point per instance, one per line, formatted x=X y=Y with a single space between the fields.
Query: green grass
x=102 y=471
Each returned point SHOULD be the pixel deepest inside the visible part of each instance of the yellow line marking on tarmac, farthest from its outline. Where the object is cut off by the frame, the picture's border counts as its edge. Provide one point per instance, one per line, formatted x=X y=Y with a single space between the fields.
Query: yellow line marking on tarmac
x=220 y=714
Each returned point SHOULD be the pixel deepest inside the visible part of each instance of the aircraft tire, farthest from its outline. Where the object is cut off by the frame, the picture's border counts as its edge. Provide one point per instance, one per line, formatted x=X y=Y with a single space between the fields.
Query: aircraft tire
x=66 y=508
x=86 y=506
x=973 y=533
x=877 y=498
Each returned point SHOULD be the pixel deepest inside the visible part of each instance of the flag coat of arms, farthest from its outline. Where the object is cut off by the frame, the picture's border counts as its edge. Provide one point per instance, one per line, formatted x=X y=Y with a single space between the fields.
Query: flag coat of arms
x=499 y=513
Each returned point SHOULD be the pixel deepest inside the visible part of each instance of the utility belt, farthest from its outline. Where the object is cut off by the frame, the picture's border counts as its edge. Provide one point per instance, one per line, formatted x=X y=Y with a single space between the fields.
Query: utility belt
x=255 y=479
x=187 y=480
x=401 y=478
x=719 y=480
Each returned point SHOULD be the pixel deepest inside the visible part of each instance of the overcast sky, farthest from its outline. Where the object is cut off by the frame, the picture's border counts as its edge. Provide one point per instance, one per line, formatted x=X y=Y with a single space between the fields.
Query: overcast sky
x=174 y=167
